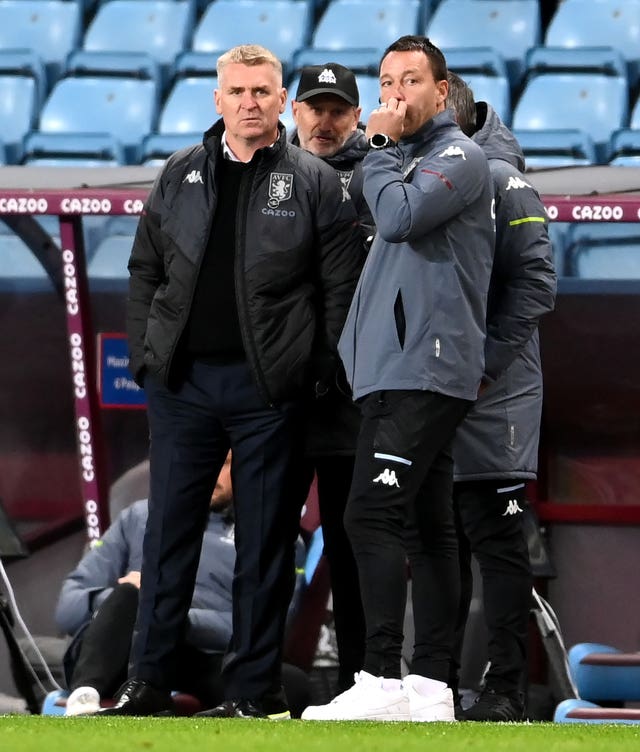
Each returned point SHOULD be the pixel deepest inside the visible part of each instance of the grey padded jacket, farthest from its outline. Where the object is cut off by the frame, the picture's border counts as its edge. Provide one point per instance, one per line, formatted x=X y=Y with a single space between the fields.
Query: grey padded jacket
x=417 y=320
x=499 y=436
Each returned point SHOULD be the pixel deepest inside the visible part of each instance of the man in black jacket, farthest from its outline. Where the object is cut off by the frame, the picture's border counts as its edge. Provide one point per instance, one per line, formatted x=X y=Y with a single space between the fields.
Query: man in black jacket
x=242 y=270
x=326 y=112
x=496 y=446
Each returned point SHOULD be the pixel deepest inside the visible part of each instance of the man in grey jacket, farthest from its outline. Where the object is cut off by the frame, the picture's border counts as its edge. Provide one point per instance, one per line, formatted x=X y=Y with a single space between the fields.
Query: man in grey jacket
x=99 y=598
x=496 y=446
x=413 y=351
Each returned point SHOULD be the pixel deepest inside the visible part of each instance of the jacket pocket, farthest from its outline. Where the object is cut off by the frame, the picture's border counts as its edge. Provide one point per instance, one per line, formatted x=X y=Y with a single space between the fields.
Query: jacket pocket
x=401 y=322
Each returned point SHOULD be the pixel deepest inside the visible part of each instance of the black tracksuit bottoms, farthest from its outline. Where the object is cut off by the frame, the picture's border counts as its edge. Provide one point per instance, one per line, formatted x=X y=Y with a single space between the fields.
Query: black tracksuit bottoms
x=400 y=505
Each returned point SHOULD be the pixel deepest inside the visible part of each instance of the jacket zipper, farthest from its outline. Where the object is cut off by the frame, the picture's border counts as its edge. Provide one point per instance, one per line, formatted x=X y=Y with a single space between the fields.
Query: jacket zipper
x=245 y=329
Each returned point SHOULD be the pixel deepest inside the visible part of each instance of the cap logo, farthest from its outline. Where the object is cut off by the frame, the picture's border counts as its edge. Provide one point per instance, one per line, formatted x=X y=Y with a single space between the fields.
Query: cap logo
x=327 y=77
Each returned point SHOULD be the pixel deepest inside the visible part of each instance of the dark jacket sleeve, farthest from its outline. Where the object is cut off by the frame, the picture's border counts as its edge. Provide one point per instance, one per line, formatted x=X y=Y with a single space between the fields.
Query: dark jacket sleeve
x=146 y=270
x=523 y=285
x=340 y=254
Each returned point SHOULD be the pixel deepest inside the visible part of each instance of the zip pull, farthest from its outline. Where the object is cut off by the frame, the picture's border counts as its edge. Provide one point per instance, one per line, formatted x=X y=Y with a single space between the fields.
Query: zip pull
x=437 y=347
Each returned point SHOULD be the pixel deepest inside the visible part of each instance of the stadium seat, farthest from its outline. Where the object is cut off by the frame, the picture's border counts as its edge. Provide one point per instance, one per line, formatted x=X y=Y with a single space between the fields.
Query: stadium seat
x=603 y=251
x=20 y=270
x=158 y=146
x=556 y=148
x=364 y=24
x=634 y=120
x=59 y=149
x=510 y=27
x=583 y=23
x=283 y=26
x=361 y=60
x=51 y=28
x=606 y=60
x=107 y=268
x=26 y=63
x=124 y=108
x=18 y=113
x=491 y=89
x=124 y=64
x=160 y=28
x=189 y=107
x=624 y=149
x=583 y=711
x=598 y=103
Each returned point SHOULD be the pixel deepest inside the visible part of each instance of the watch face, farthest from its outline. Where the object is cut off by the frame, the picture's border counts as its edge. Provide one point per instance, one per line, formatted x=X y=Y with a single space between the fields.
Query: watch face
x=379 y=140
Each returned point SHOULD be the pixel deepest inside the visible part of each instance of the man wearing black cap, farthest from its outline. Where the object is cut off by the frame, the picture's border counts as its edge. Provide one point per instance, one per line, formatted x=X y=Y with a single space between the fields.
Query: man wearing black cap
x=326 y=112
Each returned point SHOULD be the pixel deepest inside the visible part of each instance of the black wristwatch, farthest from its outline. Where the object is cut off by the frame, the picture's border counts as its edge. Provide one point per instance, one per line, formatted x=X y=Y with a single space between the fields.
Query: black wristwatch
x=381 y=141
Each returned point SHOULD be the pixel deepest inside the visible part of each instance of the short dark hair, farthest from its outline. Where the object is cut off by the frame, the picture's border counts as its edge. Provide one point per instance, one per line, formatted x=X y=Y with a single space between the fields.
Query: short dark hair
x=460 y=100
x=417 y=43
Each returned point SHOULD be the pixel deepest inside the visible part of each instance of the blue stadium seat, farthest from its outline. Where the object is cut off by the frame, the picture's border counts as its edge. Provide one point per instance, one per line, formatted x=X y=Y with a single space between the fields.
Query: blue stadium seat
x=596 y=103
x=364 y=24
x=607 y=250
x=606 y=60
x=125 y=64
x=556 y=148
x=283 y=26
x=359 y=60
x=51 y=28
x=20 y=270
x=583 y=23
x=634 y=120
x=90 y=150
x=510 y=27
x=189 y=106
x=160 y=28
x=158 y=146
x=491 y=89
x=18 y=113
x=107 y=269
x=624 y=149
x=124 y=108
x=26 y=63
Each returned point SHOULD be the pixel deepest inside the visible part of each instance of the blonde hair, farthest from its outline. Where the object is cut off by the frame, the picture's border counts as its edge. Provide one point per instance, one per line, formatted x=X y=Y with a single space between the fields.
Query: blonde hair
x=249 y=54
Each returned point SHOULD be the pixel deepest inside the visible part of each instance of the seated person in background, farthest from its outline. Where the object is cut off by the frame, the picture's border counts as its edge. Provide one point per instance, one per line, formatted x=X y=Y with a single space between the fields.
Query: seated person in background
x=99 y=600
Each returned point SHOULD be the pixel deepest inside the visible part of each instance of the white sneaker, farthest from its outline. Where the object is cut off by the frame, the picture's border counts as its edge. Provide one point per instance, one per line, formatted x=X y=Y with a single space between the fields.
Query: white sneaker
x=429 y=700
x=83 y=701
x=372 y=698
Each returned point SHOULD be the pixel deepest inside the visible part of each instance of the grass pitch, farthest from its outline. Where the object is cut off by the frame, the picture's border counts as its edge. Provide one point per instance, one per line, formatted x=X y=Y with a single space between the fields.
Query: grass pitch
x=58 y=734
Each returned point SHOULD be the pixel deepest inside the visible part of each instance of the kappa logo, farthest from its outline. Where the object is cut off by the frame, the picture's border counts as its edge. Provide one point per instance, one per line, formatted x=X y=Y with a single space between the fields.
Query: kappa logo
x=512 y=508
x=327 y=77
x=388 y=477
x=280 y=188
x=194 y=177
x=345 y=178
x=515 y=183
x=454 y=151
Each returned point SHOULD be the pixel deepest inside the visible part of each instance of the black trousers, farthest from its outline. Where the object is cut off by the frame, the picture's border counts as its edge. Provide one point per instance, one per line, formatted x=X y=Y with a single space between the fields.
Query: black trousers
x=334 y=474
x=103 y=652
x=399 y=505
x=217 y=408
x=489 y=523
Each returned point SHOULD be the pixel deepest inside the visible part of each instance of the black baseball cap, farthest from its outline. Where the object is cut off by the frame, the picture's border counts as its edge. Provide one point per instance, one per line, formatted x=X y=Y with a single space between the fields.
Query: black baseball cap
x=330 y=78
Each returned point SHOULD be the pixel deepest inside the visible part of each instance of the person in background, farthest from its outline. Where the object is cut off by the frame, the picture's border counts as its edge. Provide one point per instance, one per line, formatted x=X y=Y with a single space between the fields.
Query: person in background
x=413 y=351
x=98 y=603
x=496 y=446
x=326 y=112
x=242 y=269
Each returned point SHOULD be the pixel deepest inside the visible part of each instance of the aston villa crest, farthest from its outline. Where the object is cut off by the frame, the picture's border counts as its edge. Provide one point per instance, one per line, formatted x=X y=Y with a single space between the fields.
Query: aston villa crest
x=280 y=188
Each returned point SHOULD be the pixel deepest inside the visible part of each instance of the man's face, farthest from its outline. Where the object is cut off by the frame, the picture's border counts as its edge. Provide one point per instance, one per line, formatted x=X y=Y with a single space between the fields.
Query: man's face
x=408 y=77
x=250 y=99
x=324 y=123
x=223 y=492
